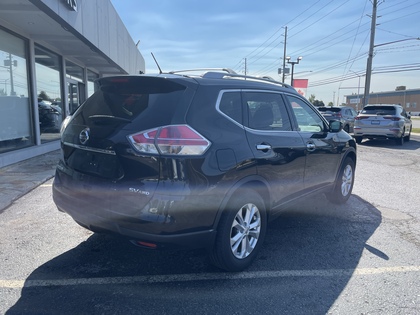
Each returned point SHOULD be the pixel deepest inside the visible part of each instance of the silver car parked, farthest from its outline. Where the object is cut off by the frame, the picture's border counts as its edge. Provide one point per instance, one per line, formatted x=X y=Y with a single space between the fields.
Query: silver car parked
x=389 y=121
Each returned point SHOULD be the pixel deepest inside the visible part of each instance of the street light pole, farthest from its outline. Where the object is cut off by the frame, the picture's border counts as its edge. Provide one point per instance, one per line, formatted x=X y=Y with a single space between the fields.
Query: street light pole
x=293 y=63
x=284 y=55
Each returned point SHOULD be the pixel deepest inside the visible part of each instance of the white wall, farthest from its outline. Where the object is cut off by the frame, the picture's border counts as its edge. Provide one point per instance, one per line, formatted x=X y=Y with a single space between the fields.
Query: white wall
x=98 y=22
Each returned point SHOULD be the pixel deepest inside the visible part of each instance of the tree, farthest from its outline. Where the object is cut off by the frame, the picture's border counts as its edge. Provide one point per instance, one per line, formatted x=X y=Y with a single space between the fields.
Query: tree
x=43 y=96
x=311 y=98
x=318 y=103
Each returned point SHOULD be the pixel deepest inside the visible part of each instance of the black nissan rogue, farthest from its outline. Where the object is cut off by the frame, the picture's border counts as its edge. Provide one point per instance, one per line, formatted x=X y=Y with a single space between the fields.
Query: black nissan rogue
x=179 y=159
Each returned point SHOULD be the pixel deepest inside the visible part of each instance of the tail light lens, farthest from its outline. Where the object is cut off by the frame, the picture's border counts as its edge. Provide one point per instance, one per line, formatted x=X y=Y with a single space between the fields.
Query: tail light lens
x=392 y=118
x=361 y=117
x=170 y=140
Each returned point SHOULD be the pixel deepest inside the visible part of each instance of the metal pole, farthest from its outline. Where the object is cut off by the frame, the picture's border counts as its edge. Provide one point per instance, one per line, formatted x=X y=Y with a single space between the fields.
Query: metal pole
x=284 y=55
x=370 y=57
x=293 y=70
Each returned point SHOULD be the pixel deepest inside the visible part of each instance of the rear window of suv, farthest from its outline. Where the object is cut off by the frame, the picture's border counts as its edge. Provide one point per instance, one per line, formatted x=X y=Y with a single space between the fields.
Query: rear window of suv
x=128 y=98
x=329 y=109
x=379 y=110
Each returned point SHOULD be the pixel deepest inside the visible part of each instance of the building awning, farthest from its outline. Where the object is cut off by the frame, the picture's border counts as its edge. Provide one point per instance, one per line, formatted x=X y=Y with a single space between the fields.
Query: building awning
x=46 y=28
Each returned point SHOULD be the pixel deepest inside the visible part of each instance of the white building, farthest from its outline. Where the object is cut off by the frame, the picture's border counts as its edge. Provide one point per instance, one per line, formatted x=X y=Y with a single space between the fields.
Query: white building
x=51 y=51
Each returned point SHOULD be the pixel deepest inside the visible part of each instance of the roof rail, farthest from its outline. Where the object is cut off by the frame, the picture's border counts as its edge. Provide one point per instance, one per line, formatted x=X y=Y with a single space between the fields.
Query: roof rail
x=227 y=70
x=220 y=75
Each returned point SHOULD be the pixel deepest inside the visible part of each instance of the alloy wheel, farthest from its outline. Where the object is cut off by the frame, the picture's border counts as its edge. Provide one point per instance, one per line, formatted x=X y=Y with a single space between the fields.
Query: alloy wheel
x=347 y=180
x=245 y=231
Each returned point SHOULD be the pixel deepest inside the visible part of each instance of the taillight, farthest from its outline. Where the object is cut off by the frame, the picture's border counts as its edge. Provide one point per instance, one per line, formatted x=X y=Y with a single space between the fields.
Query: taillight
x=361 y=117
x=170 y=140
x=392 y=118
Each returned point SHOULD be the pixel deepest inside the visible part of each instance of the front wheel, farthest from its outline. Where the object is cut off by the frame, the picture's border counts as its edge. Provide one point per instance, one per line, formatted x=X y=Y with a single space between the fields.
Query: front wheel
x=344 y=183
x=241 y=231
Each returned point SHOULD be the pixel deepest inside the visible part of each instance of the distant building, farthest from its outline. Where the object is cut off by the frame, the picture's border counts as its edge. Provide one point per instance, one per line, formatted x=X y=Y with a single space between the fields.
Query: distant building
x=409 y=99
x=51 y=52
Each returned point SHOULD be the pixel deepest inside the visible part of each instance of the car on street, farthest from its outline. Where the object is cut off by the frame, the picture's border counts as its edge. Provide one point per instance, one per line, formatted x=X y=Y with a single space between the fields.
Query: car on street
x=343 y=113
x=386 y=121
x=187 y=159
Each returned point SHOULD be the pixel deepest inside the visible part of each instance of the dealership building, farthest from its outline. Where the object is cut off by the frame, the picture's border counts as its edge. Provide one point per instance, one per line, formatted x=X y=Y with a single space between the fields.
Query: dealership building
x=409 y=99
x=51 y=52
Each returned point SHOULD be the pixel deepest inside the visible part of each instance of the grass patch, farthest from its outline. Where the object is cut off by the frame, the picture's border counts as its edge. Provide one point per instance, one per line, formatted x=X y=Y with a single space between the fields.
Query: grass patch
x=415 y=130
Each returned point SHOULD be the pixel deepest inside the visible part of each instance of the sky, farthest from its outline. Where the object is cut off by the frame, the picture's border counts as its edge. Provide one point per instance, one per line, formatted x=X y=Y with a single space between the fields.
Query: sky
x=331 y=36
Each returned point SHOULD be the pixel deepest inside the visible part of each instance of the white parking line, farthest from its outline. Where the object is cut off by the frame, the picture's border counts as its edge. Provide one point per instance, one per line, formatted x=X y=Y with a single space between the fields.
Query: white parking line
x=19 y=284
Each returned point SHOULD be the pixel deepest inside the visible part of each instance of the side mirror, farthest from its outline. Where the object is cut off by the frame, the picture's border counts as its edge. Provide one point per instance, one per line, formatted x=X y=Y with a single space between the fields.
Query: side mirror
x=336 y=126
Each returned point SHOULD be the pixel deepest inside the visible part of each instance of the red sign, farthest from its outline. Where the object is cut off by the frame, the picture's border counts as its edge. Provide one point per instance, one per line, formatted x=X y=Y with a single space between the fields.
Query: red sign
x=300 y=86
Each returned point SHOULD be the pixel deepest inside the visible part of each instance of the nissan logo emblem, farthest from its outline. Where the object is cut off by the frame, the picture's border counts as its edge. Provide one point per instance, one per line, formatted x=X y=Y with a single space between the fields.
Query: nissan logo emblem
x=84 y=136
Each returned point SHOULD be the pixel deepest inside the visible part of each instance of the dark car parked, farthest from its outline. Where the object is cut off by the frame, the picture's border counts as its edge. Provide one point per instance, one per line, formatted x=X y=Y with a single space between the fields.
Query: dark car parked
x=343 y=113
x=177 y=159
x=50 y=116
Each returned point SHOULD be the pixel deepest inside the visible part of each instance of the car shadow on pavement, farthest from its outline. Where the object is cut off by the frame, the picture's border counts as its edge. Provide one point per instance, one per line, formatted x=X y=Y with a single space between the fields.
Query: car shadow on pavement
x=412 y=145
x=308 y=258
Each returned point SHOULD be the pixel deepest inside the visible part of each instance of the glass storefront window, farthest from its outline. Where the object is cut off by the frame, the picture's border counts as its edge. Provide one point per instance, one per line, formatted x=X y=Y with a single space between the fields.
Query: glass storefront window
x=75 y=85
x=50 y=109
x=16 y=129
x=92 y=76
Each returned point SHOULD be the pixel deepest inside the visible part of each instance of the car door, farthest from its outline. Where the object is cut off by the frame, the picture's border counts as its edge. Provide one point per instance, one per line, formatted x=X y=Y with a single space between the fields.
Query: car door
x=278 y=150
x=322 y=148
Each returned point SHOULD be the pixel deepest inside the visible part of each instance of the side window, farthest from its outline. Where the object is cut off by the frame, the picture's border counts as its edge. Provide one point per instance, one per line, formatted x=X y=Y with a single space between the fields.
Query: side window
x=306 y=117
x=266 y=111
x=230 y=104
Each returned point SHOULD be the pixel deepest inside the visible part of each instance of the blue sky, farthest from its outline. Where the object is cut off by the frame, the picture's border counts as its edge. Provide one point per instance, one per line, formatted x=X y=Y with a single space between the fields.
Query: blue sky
x=332 y=36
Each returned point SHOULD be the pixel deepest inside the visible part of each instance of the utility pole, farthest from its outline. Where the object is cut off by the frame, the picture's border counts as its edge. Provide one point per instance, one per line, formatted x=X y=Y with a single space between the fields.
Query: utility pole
x=370 y=57
x=245 y=67
x=284 y=56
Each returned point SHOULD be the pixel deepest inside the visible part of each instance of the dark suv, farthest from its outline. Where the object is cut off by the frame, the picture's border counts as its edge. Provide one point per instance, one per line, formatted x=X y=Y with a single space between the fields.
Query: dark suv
x=343 y=113
x=197 y=160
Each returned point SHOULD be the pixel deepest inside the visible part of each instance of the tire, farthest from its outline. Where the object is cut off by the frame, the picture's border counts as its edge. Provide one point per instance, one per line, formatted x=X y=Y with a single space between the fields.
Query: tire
x=358 y=140
x=407 y=137
x=344 y=183
x=240 y=232
x=400 y=140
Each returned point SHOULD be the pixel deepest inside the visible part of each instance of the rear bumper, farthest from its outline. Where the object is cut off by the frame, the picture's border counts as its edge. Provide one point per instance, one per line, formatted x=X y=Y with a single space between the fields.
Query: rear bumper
x=377 y=133
x=166 y=221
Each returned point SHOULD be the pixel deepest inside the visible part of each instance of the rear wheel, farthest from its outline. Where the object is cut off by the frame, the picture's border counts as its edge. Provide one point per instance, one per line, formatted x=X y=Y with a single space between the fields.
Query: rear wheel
x=407 y=137
x=400 y=140
x=241 y=231
x=344 y=183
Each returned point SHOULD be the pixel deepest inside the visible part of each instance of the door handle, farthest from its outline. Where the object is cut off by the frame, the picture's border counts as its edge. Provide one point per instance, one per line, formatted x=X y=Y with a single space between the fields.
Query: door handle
x=263 y=147
x=310 y=146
